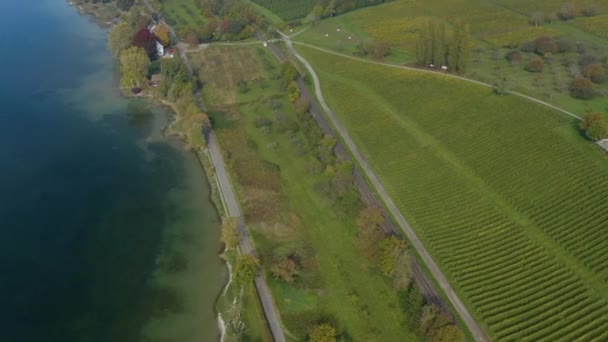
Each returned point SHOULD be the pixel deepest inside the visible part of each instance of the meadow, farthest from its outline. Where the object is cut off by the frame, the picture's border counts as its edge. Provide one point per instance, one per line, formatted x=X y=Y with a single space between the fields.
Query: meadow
x=506 y=194
x=284 y=210
x=496 y=27
x=288 y=10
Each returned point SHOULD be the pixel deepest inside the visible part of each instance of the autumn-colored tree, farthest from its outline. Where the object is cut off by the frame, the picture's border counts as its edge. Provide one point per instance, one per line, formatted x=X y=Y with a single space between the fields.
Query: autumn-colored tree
x=545 y=44
x=389 y=249
x=582 y=88
x=134 y=63
x=119 y=38
x=370 y=234
x=293 y=92
x=595 y=126
x=324 y=332
x=145 y=40
x=162 y=33
x=535 y=65
x=596 y=72
x=230 y=234
x=285 y=269
x=246 y=268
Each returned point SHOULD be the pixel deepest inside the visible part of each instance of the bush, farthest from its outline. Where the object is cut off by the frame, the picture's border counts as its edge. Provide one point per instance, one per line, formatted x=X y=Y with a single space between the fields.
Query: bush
x=595 y=126
x=323 y=333
x=246 y=268
x=229 y=233
x=596 y=72
x=590 y=11
x=565 y=45
x=535 y=65
x=582 y=88
x=285 y=269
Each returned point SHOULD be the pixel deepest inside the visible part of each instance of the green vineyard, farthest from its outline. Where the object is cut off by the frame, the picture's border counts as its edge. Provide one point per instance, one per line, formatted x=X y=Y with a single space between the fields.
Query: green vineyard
x=505 y=194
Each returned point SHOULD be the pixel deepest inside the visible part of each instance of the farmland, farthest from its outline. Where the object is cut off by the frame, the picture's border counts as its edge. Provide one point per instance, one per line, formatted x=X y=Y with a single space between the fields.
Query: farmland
x=505 y=194
x=497 y=28
x=183 y=14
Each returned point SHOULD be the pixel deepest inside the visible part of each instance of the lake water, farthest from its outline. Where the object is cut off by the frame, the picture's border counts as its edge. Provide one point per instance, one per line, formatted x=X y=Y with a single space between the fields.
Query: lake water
x=106 y=228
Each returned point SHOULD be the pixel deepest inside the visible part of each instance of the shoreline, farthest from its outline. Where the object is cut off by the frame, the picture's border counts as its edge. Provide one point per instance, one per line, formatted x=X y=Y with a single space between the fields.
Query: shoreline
x=214 y=198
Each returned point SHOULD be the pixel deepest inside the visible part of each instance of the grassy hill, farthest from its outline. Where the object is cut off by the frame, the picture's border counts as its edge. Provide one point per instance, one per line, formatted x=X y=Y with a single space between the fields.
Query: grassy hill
x=506 y=194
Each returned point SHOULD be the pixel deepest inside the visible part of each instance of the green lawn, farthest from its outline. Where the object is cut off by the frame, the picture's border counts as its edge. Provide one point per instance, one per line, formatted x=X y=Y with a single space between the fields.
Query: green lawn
x=285 y=212
x=183 y=13
x=507 y=195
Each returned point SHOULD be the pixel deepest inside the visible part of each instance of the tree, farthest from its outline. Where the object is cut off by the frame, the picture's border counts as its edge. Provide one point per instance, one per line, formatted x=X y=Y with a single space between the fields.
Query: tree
x=590 y=11
x=596 y=72
x=230 y=234
x=566 y=12
x=162 y=33
x=246 y=268
x=389 y=249
x=285 y=269
x=324 y=332
x=514 y=57
x=545 y=44
x=134 y=63
x=370 y=234
x=145 y=40
x=535 y=65
x=460 y=47
x=595 y=126
x=119 y=38
x=536 y=18
x=124 y=5
x=293 y=92
x=582 y=88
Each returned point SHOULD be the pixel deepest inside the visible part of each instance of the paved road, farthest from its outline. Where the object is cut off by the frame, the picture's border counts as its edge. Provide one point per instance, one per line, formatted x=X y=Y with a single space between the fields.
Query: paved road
x=230 y=201
x=471 y=324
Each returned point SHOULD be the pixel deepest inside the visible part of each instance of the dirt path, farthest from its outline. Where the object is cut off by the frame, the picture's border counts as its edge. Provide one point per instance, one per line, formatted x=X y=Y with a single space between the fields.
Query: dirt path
x=467 y=318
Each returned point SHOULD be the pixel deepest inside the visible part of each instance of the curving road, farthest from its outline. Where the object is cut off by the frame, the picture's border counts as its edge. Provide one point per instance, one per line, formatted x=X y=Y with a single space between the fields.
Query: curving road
x=467 y=318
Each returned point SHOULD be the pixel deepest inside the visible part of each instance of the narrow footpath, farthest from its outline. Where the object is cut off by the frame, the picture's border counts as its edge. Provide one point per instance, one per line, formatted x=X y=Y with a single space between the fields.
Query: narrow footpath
x=467 y=318
x=230 y=200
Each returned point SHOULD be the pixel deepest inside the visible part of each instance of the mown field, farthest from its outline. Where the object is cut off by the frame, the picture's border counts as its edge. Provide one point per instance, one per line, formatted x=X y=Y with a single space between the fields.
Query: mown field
x=272 y=170
x=505 y=194
x=497 y=27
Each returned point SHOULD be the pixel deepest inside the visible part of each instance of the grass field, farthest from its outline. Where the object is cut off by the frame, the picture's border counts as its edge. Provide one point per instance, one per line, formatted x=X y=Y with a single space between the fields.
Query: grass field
x=505 y=194
x=288 y=10
x=284 y=211
x=494 y=25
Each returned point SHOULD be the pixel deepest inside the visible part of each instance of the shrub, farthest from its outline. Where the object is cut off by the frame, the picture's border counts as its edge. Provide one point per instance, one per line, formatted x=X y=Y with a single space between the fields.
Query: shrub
x=535 y=65
x=595 y=126
x=589 y=11
x=514 y=57
x=246 y=268
x=323 y=333
x=229 y=233
x=596 y=72
x=582 y=88
x=285 y=269
x=565 y=45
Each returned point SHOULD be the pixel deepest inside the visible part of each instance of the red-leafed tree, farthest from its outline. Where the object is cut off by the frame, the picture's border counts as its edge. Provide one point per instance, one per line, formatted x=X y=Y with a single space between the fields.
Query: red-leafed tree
x=146 y=40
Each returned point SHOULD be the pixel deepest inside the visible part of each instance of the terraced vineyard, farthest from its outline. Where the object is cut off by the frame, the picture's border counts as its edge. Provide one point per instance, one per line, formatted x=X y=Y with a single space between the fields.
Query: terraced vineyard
x=506 y=196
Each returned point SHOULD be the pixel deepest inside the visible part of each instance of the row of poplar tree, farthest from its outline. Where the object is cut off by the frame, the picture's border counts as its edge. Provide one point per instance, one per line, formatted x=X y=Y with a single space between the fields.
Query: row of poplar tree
x=439 y=47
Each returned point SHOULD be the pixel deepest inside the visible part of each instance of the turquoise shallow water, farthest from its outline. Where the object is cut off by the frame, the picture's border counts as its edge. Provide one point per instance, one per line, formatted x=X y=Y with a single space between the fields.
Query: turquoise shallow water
x=106 y=229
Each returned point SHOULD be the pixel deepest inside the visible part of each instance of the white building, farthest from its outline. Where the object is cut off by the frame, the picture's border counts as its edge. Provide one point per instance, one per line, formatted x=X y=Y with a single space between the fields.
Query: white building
x=160 y=49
